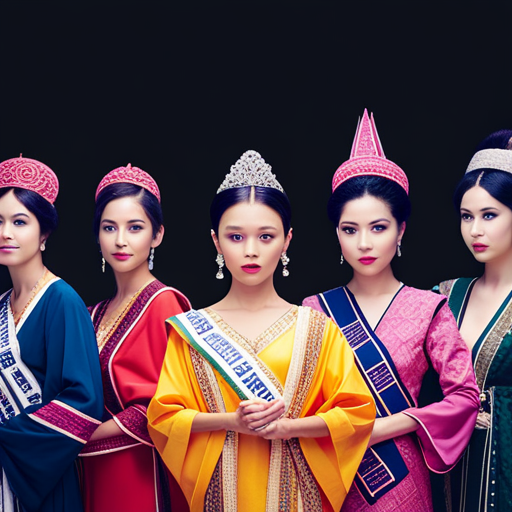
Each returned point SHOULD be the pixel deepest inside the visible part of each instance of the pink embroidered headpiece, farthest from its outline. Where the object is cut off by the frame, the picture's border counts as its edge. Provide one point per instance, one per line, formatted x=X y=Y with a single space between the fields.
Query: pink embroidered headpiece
x=132 y=175
x=367 y=157
x=31 y=175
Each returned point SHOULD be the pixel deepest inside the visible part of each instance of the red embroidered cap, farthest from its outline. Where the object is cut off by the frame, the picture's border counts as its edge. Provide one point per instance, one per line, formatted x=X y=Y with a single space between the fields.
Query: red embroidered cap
x=132 y=175
x=31 y=175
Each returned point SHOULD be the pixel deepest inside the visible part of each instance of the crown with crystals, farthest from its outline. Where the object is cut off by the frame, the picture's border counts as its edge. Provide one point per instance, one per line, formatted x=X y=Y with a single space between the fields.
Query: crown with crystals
x=30 y=175
x=250 y=170
x=132 y=175
x=493 y=158
x=367 y=157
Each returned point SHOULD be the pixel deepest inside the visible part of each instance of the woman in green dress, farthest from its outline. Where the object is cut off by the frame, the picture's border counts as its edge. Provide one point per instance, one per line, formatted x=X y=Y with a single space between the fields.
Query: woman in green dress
x=483 y=308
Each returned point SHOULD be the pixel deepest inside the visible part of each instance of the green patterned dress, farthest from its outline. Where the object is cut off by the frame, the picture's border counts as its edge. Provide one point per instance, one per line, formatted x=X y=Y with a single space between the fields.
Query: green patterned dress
x=482 y=481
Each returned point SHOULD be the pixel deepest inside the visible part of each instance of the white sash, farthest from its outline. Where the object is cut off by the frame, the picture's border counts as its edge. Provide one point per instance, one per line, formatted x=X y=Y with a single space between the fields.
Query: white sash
x=16 y=379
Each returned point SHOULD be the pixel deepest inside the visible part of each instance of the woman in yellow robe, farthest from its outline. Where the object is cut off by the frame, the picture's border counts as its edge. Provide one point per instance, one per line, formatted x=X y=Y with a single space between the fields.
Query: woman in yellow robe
x=259 y=405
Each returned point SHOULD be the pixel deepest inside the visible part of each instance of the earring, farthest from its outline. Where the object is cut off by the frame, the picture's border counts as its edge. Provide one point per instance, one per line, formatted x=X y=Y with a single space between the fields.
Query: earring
x=103 y=264
x=42 y=247
x=220 y=262
x=342 y=259
x=399 y=249
x=151 y=258
x=285 y=260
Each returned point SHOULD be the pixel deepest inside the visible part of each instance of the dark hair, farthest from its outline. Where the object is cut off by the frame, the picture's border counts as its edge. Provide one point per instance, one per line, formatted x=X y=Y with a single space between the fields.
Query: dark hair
x=496 y=140
x=45 y=213
x=146 y=199
x=497 y=183
x=270 y=197
x=386 y=190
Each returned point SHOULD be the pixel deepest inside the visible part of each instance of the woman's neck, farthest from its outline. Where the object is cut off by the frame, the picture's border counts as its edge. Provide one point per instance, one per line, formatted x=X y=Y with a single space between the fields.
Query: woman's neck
x=251 y=298
x=24 y=277
x=498 y=273
x=129 y=283
x=384 y=283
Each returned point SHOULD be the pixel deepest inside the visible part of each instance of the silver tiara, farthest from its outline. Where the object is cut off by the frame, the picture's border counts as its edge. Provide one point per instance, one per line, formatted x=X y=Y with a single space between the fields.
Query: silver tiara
x=499 y=159
x=250 y=170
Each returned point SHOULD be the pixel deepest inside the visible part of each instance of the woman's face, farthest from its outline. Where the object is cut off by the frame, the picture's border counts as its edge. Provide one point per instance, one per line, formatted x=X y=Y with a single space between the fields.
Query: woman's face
x=20 y=233
x=251 y=238
x=126 y=235
x=486 y=225
x=368 y=235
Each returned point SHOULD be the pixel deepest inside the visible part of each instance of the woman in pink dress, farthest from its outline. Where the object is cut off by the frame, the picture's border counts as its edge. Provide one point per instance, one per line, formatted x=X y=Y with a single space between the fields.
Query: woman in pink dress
x=395 y=332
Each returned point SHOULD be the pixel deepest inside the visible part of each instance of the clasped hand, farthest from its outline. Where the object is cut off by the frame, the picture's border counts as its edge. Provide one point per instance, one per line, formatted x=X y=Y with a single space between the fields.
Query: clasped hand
x=260 y=418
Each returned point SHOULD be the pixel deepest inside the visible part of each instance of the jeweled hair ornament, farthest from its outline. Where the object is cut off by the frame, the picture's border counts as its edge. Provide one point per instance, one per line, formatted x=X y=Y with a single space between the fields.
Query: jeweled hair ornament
x=367 y=157
x=31 y=175
x=132 y=175
x=494 y=158
x=250 y=170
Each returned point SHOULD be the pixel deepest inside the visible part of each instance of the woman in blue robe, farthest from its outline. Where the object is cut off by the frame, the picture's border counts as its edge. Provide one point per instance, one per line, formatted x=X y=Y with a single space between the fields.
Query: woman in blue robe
x=50 y=383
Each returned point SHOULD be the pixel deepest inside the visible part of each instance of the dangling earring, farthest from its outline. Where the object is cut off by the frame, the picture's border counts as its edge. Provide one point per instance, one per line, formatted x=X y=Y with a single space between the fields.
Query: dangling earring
x=342 y=259
x=398 y=249
x=220 y=262
x=42 y=247
x=285 y=260
x=103 y=264
x=151 y=258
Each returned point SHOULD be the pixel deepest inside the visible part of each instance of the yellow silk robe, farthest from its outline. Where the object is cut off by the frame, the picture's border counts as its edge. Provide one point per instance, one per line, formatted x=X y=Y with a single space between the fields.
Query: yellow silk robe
x=336 y=392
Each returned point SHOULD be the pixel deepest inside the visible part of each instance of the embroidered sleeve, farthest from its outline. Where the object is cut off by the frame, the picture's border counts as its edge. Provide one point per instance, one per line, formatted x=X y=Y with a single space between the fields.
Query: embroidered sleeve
x=133 y=422
x=446 y=426
x=66 y=420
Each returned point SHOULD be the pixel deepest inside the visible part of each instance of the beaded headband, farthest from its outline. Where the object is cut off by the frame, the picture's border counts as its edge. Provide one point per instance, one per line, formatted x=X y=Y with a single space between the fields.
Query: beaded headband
x=250 y=170
x=132 y=175
x=30 y=175
x=367 y=157
x=494 y=158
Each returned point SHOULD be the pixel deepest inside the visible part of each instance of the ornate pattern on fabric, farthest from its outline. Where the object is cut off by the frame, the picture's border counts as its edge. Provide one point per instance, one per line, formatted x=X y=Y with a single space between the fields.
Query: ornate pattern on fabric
x=132 y=175
x=445 y=287
x=254 y=347
x=367 y=157
x=133 y=420
x=66 y=420
x=290 y=478
x=492 y=158
x=31 y=175
x=250 y=170
x=490 y=346
x=108 y=445
x=132 y=315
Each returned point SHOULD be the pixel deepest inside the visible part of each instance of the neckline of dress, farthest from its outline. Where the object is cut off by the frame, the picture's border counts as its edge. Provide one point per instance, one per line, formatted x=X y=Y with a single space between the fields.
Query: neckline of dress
x=400 y=288
x=268 y=335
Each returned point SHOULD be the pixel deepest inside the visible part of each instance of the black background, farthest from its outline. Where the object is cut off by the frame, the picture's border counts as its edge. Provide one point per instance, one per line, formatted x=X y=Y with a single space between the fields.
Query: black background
x=182 y=92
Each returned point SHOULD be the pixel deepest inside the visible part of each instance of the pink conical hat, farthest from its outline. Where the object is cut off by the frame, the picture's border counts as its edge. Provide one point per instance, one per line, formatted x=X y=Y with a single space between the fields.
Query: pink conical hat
x=367 y=157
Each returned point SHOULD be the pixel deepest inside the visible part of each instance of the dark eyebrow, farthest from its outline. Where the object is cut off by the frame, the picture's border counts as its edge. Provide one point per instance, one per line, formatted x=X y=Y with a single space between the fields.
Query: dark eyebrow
x=21 y=215
x=379 y=220
x=129 y=222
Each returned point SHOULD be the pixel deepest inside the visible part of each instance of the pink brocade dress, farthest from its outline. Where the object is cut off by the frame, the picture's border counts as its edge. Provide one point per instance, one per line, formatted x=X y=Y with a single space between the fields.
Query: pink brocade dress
x=416 y=328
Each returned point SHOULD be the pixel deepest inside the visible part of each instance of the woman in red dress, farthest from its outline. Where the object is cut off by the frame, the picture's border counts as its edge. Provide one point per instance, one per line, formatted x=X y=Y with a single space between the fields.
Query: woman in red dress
x=121 y=468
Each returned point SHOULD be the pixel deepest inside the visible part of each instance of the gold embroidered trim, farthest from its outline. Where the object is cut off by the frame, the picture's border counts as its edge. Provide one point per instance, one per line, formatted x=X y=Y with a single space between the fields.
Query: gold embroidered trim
x=490 y=345
x=269 y=335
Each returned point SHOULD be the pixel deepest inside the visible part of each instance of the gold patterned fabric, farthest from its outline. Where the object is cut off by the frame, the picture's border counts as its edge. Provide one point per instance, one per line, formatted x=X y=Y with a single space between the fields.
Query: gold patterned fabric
x=313 y=367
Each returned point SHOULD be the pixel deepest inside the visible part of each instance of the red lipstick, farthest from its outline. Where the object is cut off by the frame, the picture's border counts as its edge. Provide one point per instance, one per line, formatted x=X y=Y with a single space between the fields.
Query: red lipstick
x=121 y=256
x=251 y=268
x=480 y=247
x=367 y=260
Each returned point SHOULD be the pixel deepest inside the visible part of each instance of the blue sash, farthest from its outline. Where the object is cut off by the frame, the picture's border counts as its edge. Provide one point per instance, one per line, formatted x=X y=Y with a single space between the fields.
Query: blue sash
x=382 y=467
